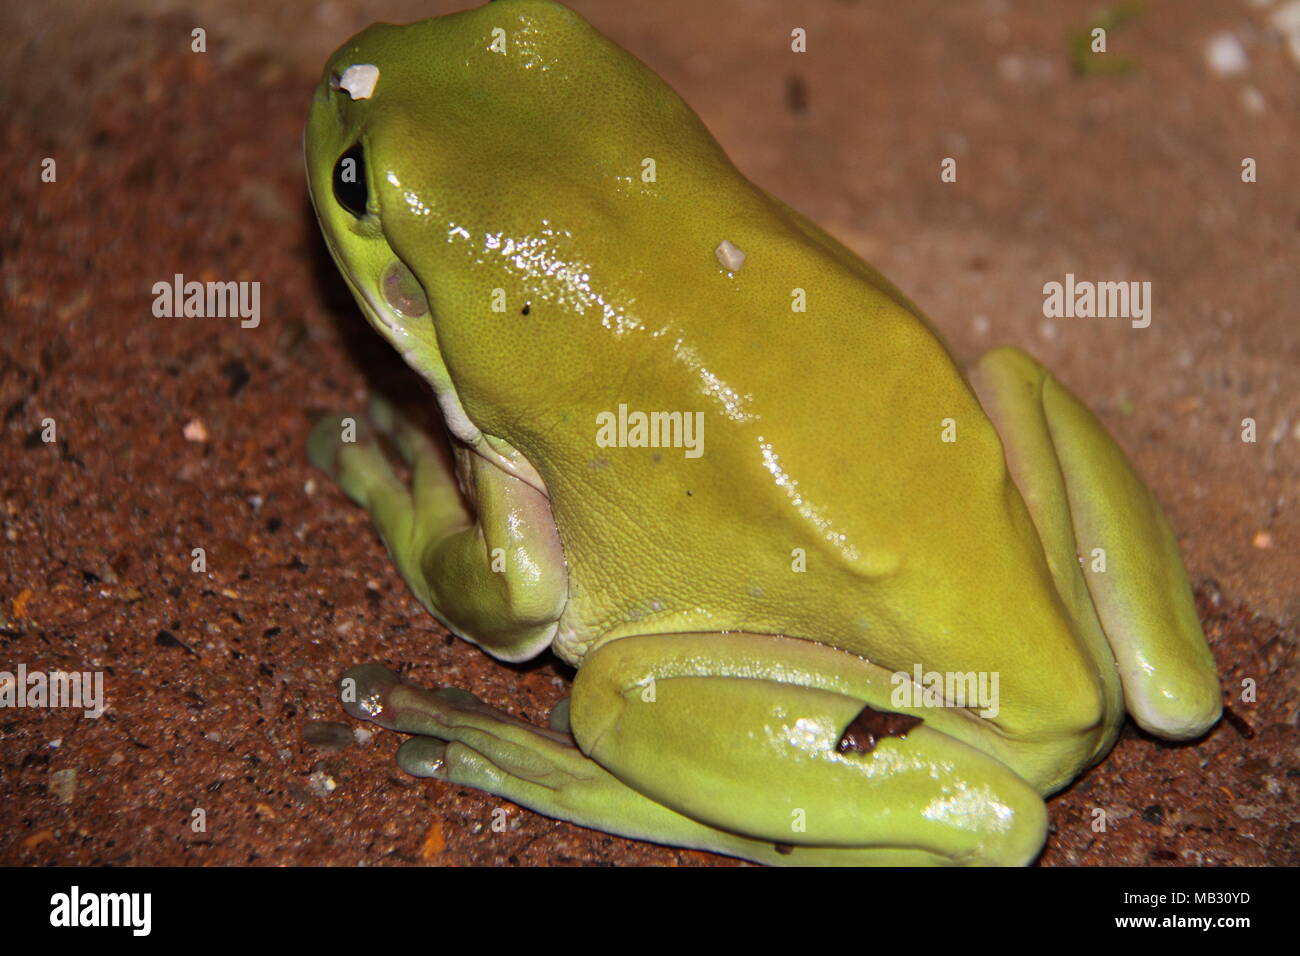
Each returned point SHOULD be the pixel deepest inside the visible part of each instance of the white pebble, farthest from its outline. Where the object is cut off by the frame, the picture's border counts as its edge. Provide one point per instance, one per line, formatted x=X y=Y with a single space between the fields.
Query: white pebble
x=1225 y=55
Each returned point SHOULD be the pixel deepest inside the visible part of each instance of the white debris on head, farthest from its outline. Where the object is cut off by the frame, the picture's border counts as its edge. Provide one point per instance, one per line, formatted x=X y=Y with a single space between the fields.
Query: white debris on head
x=359 y=80
x=730 y=256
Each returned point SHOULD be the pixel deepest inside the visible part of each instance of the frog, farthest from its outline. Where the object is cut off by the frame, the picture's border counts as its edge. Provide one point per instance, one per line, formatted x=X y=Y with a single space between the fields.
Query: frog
x=708 y=457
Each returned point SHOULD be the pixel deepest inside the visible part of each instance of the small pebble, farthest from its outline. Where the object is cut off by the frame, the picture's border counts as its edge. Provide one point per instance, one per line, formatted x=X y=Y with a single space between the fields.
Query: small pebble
x=63 y=784
x=327 y=734
x=1225 y=55
x=321 y=784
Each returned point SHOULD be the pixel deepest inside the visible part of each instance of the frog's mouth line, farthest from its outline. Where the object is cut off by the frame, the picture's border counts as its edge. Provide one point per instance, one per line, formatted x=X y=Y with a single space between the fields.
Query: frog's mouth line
x=378 y=314
x=384 y=319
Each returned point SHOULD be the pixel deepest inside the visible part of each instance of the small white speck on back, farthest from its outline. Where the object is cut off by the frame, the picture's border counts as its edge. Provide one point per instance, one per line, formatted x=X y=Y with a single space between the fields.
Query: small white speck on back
x=729 y=255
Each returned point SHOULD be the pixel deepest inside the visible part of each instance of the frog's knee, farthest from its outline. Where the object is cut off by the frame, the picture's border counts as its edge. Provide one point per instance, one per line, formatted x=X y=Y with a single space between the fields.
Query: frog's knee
x=1085 y=714
x=1056 y=726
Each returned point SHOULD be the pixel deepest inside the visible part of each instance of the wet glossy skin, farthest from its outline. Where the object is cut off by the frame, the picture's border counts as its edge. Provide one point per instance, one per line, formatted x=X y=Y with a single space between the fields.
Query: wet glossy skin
x=731 y=612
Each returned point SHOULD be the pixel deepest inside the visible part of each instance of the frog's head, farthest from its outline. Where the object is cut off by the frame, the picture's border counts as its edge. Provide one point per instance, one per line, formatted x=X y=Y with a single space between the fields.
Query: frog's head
x=494 y=157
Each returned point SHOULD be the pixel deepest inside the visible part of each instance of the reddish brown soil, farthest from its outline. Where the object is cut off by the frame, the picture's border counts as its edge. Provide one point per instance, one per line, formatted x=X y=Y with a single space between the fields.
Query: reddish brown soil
x=183 y=433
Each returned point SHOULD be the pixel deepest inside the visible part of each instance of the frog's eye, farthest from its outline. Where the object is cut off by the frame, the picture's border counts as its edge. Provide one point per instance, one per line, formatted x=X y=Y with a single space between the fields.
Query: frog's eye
x=350 y=181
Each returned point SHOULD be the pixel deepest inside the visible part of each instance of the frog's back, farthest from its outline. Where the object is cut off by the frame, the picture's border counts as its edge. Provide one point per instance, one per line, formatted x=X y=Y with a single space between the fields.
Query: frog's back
x=848 y=489
x=822 y=442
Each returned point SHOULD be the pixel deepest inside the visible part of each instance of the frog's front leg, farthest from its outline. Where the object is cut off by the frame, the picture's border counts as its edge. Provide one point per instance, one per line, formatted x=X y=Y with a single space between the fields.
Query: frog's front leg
x=496 y=578
x=753 y=745
x=1086 y=500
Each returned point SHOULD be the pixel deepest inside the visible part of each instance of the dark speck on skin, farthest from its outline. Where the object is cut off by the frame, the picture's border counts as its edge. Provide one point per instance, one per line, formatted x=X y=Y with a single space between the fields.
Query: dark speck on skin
x=870 y=726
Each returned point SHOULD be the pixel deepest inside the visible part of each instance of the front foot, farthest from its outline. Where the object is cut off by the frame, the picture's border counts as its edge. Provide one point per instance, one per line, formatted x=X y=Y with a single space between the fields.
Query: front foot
x=479 y=548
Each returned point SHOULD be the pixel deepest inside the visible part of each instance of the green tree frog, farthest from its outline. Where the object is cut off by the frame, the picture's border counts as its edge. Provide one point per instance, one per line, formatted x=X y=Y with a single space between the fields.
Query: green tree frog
x=726 y=470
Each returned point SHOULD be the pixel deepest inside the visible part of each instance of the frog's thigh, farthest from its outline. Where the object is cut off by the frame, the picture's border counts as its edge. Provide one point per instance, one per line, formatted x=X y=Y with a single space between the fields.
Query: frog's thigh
x=741 y=732
x=496 y=578
x=1084 y=495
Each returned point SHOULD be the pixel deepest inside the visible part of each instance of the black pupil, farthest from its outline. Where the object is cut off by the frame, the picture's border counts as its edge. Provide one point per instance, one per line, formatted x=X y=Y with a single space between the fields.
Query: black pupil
x=350 y=181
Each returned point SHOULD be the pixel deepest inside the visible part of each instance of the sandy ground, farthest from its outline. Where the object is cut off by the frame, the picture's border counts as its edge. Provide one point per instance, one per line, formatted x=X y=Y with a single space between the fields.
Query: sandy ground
x=176 y=433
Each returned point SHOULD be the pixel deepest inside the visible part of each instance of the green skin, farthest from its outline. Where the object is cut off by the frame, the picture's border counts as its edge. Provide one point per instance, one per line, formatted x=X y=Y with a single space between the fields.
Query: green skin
x=729 y=614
